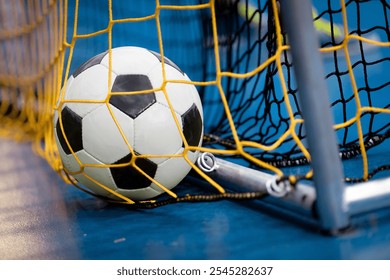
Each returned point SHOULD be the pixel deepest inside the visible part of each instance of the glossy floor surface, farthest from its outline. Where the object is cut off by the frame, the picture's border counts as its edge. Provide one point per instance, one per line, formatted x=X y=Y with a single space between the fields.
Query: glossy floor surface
x=41 y=218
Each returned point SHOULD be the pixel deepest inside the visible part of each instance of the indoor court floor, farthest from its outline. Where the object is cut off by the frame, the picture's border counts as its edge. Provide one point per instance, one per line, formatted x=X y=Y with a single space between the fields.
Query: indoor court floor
x=42 y=218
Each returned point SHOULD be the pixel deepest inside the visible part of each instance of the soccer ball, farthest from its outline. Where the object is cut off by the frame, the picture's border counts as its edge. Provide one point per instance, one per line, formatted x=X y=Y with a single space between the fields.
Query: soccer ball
x=105 y=132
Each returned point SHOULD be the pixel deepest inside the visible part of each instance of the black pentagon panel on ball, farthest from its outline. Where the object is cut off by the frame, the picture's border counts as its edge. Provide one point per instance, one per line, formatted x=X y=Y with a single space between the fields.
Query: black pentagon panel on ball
x=167 y=61
x=192 y=125
x=132 y=104
x=128 y=178
x=71 y=123
x=93 y=61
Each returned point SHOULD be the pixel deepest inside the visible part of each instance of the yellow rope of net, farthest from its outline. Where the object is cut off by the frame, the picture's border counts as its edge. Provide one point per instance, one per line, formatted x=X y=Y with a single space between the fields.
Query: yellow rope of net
x=37 y=55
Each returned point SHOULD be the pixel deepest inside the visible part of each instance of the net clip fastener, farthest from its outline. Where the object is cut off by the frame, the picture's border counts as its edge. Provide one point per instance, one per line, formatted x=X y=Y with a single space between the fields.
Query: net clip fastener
x=277 y=189
x=207 y=162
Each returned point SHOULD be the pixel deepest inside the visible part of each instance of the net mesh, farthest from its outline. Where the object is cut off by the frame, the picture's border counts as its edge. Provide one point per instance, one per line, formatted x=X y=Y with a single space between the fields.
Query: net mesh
x=235 y=52
x=269 y=114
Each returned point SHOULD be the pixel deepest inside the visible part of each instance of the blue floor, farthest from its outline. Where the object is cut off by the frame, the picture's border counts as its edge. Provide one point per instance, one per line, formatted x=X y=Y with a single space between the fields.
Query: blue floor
x=41 y=218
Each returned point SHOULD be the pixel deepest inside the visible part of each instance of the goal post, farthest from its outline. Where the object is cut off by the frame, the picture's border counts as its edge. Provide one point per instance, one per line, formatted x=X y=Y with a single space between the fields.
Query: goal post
x=314 y=99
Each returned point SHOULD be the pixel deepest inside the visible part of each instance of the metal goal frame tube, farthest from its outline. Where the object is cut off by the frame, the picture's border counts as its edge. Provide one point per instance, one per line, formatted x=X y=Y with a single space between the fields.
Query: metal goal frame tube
x=300 y=201
x=368 y=196
x=238 y=178
x=314 y=100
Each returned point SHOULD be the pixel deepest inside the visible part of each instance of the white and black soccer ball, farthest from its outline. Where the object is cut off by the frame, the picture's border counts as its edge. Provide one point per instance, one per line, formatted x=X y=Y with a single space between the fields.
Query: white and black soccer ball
x=94 y=129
